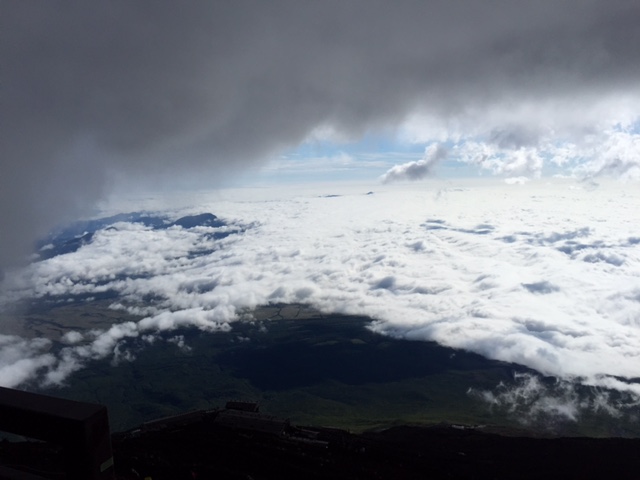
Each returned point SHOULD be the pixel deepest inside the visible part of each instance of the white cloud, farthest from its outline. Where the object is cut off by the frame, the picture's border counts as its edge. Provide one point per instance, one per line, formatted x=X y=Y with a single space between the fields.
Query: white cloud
x=586 y=138
x=417 y=170
x=21 y=360
x=532 y=400
x=539 y=274
x=72 y=336
x=618 y=156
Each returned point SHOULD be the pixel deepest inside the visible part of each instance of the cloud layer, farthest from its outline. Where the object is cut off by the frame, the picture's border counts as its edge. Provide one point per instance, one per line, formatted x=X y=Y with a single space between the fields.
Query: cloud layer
x=542 y=274
x=94 y=94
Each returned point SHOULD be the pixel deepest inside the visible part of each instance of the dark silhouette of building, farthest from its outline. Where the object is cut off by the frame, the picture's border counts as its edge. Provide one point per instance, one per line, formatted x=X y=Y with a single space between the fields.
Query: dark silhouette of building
x=81 y=429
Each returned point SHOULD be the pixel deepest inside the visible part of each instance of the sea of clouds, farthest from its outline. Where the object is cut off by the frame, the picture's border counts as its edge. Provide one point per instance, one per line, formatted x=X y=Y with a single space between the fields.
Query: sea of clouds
x=545 y=274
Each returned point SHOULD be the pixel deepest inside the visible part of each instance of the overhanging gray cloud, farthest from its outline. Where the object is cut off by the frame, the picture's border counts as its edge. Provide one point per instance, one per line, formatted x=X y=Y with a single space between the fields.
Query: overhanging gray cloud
x=116 y=89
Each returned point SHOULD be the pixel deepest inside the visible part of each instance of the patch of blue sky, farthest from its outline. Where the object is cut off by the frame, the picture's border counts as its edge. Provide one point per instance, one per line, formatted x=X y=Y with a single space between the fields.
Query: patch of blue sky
x=369 y=145
x=633 y=128
x=325 y=160
x=367 y=159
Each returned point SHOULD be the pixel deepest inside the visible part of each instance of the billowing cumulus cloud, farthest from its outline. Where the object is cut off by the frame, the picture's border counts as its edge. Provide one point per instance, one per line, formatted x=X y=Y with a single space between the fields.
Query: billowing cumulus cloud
x=541 y=274
x=97 y=93
x=419 y=169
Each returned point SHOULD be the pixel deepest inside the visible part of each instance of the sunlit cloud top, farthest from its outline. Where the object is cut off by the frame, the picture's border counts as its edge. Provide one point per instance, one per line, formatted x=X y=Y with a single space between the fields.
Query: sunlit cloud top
x=544 y=275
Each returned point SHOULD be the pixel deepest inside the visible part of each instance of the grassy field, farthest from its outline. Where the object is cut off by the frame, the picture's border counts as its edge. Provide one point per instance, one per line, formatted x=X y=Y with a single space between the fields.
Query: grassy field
x=314 y=369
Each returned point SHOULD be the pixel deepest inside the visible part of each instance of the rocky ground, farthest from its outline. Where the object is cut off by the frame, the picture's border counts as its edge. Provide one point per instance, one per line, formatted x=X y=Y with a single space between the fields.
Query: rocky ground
x=202 y=446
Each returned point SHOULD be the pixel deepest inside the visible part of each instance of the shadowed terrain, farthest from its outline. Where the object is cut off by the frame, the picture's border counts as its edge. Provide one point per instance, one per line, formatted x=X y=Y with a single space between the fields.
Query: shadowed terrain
x=319 y=369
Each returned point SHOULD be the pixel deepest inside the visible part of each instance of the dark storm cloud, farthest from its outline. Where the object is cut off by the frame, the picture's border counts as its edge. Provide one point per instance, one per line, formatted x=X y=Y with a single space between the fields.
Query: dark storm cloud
x=516 y=137
x=95 y=90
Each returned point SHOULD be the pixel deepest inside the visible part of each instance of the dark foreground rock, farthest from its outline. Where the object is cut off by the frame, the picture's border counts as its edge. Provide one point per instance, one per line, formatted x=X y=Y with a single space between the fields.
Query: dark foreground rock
x=210 y=449
x=236 y=444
